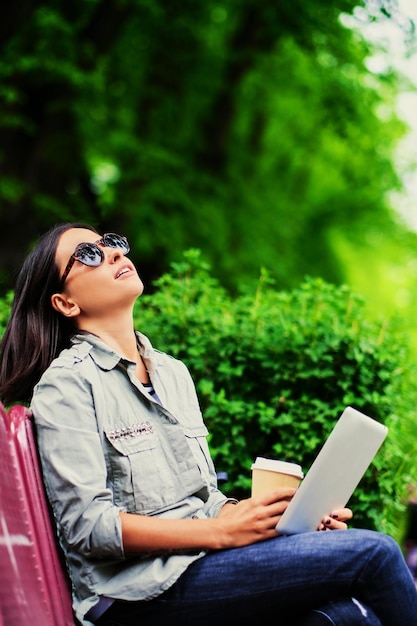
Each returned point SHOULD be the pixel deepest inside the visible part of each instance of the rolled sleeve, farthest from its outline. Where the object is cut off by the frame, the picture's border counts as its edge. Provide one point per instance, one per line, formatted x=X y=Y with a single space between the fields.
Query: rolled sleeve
x=215 y=503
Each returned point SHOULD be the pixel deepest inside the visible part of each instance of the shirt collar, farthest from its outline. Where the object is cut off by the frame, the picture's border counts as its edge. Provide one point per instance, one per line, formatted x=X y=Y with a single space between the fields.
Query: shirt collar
x=106 y=358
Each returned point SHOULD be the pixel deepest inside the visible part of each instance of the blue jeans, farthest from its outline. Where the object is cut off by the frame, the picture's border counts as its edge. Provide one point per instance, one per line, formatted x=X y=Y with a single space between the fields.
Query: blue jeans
x=341 y=578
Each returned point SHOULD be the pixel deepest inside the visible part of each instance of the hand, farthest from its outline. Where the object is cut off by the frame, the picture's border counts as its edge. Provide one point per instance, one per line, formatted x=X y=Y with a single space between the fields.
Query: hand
x=336 y=520
x=253 y=519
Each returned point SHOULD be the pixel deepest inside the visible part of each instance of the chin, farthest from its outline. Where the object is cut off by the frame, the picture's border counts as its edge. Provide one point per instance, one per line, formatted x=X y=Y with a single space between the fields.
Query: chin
x=140 y=288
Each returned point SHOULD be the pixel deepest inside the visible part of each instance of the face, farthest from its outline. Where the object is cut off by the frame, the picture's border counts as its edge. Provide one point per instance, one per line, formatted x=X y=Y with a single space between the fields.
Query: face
x=94 y=291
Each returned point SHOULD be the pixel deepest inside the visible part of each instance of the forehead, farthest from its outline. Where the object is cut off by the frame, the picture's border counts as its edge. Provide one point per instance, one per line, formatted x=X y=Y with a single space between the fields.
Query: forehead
x=70 y=239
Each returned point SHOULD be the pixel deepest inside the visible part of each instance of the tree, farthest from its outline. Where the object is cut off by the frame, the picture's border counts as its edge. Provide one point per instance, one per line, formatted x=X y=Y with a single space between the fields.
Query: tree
x=248 y=129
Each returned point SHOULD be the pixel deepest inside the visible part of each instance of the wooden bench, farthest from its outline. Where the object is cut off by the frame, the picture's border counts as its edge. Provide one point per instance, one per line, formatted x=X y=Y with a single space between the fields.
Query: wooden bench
x=34 y=587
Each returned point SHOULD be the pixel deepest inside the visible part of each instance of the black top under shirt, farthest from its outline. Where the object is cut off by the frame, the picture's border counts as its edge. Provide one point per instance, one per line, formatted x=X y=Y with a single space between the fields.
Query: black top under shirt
x=149 y=388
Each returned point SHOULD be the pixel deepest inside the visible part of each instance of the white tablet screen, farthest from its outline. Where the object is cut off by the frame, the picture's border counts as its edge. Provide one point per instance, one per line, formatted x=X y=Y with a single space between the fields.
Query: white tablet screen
x=335 y=473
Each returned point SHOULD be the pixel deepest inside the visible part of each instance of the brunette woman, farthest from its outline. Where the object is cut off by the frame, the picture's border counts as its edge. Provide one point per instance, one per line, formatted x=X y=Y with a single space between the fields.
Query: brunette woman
x=147 y=535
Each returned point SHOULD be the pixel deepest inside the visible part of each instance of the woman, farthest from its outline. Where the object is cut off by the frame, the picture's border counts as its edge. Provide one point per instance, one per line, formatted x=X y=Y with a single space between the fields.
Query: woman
x=147 y=535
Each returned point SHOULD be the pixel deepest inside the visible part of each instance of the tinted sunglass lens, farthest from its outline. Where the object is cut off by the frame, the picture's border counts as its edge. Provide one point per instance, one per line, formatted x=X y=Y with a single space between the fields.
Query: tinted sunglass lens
x=89 y=254
x=111 y=240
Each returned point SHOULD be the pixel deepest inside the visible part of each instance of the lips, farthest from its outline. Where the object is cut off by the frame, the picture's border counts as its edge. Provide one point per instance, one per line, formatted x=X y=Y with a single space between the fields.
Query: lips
x=126 y=268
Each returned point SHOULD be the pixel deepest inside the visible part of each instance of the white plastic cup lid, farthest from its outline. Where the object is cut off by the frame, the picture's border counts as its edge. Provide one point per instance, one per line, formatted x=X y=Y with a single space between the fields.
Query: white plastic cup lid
x=273 y=465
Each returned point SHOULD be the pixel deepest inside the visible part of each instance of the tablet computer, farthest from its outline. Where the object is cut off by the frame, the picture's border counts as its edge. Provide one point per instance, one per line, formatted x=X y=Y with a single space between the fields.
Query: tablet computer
x=335 y=473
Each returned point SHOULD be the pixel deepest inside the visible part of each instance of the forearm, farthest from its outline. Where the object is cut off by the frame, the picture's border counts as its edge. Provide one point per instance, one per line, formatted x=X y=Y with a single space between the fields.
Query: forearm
x=250 y=520
x=142 y=533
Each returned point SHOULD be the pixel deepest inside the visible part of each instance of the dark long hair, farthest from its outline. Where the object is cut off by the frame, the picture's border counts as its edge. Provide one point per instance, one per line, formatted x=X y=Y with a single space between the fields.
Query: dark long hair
x=35 y=333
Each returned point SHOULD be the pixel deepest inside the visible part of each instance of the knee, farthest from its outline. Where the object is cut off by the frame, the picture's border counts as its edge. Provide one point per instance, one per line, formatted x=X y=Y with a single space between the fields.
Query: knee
x=387 y=544
x=381 y=547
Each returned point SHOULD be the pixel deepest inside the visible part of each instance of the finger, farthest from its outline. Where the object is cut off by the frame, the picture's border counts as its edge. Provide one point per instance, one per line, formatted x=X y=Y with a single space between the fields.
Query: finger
x=276 y=495
x=342 y=514
x=333 y=524
x=328 y=523
x=325 y=523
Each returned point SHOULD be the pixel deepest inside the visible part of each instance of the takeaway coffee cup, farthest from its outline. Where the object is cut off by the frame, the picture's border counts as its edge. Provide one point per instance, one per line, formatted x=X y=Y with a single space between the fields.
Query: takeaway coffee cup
x=269 y=474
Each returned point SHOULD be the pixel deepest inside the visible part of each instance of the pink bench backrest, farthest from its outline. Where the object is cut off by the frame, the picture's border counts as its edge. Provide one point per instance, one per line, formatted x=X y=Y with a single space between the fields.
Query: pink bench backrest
x=34 y=588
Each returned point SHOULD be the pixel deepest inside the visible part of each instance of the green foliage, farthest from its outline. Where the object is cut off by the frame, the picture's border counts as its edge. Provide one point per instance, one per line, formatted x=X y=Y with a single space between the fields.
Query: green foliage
x=240 y=128
x=275 y=369
x=5 y=308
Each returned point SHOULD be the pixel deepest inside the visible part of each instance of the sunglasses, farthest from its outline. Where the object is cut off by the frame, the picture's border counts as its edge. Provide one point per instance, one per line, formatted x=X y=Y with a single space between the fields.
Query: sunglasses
x=90 y=254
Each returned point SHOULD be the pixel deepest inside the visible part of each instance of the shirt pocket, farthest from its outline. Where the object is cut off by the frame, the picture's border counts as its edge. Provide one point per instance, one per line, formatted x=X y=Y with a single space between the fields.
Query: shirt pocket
x=197 y=442
x=198 y=432
x=130 y=454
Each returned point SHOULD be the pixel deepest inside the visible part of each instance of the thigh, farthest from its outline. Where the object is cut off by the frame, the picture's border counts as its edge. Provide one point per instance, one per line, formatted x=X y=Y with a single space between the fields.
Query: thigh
x=309 y=567
x=286 y=577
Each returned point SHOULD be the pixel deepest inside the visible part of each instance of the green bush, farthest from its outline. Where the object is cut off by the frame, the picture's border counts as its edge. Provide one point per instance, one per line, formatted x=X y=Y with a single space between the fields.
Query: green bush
x=274 y=370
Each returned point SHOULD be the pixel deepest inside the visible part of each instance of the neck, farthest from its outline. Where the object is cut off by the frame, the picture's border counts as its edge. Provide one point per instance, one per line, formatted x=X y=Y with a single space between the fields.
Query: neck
x=117 y=332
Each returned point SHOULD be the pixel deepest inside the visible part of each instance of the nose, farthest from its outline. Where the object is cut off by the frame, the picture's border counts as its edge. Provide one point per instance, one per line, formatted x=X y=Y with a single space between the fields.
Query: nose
x=114 y=254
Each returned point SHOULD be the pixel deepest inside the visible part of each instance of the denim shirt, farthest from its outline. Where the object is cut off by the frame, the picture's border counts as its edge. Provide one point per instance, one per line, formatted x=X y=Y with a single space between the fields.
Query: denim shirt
x=106 y=447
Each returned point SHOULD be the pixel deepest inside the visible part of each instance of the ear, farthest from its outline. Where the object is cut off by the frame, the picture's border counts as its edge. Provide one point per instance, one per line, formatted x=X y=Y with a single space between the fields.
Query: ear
x=64 y=305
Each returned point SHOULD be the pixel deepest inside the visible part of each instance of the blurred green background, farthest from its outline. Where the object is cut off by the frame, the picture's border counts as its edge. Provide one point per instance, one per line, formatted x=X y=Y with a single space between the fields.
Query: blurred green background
x=252 y=130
